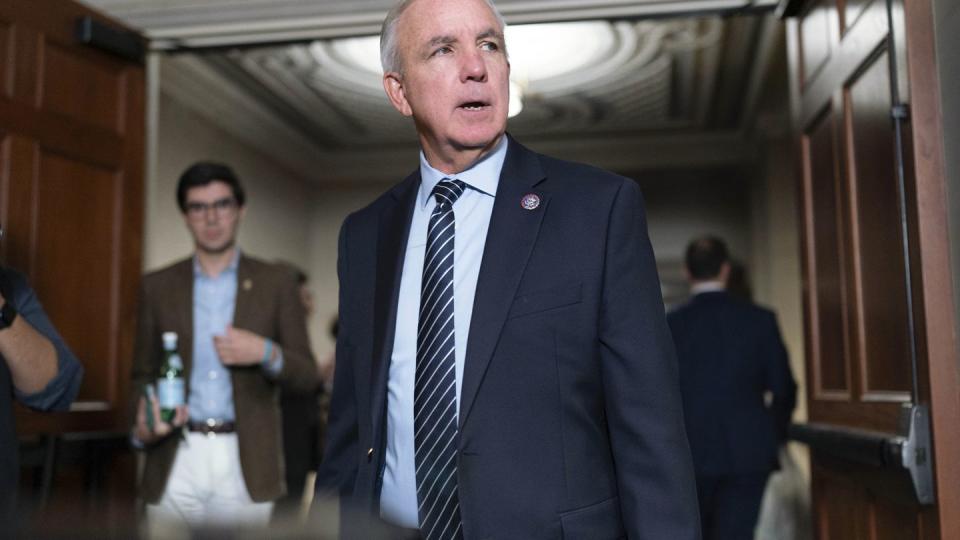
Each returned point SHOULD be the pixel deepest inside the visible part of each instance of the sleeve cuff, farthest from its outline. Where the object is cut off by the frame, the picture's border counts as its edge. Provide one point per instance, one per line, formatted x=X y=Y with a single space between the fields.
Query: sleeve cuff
x=273 y=367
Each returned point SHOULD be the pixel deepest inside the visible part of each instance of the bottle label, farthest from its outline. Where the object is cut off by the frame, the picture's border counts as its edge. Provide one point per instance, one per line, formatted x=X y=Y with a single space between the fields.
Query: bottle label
x=170 y=392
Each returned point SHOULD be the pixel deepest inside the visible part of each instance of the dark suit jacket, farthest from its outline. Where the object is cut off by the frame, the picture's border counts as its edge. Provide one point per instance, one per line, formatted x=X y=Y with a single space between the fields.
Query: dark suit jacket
x=730 y=355
x=570 y=418
x=268 y=303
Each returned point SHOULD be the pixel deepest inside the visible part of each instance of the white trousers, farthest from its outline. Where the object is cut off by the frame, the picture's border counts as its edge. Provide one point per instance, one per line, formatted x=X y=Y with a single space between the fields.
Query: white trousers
x=205 y=490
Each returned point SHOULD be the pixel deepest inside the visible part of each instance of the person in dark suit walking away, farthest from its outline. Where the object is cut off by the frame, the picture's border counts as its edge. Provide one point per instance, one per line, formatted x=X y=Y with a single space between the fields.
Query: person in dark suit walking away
x=504 y=367
x=738 y=393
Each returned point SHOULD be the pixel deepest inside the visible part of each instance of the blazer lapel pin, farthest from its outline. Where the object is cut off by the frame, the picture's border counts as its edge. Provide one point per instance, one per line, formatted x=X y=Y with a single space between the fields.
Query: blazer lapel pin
x=530 y=201
x=247 y=284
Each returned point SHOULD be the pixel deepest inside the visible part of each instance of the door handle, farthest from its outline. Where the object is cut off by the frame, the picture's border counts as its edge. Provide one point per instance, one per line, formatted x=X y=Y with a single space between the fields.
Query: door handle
x=909 y=451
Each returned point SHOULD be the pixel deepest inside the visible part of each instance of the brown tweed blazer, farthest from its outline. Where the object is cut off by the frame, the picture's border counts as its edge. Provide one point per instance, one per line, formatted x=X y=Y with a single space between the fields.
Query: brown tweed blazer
x=268 y=303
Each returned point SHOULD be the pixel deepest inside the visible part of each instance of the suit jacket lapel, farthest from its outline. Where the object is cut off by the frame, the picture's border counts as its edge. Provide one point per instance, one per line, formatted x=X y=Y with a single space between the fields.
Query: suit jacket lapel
x=510 y=239
x=245 y=288
x=183 y=304
x=392 y=234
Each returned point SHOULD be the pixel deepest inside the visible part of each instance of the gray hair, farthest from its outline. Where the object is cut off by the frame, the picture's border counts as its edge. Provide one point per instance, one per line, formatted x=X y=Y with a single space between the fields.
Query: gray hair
x=389 y=54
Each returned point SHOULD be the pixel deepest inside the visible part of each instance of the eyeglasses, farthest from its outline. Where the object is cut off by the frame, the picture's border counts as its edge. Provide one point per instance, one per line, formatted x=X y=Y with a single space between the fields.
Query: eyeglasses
x=222 y=207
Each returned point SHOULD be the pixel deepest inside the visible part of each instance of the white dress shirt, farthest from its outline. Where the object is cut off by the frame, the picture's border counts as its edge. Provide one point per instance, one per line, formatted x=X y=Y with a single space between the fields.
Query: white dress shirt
x=398 y=496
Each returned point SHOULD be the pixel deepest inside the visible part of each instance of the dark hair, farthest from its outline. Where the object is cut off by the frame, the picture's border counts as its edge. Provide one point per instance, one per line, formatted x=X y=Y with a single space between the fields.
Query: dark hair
x=705 y=256
x=202 y=173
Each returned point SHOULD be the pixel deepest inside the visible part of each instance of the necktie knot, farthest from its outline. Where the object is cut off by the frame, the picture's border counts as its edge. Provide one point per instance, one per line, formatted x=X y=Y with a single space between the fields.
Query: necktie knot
x=447 y=191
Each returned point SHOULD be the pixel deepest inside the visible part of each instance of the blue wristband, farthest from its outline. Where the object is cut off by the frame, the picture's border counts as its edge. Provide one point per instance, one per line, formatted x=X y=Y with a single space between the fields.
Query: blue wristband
x=267 y=350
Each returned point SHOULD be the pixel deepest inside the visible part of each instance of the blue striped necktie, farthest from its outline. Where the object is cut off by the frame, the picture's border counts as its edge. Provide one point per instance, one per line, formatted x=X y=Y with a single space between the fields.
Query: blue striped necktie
x=435 y=389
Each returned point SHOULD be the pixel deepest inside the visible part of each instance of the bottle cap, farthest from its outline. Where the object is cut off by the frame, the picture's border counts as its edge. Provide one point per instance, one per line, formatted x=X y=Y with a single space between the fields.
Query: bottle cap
x=170 y=341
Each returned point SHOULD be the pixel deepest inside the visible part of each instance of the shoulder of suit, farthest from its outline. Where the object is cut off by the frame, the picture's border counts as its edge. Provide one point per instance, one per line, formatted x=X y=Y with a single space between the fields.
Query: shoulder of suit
x=560 y=169
x=750 y=308
x=171 y=271
x=275 y=272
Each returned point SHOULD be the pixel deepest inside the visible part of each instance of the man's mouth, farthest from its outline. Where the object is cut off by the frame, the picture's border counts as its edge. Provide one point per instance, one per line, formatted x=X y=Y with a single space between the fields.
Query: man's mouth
x=474 y=105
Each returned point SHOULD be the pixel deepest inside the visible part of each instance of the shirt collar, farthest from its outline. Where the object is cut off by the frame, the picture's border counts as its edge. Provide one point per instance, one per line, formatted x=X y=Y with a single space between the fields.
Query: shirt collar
x=707 y=286
x=231 y=268
x=483 y=175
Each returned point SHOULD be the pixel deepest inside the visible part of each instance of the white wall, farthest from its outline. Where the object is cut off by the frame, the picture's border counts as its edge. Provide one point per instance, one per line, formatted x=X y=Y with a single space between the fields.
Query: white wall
x=682 y=205
x=776 y=254
x=329 y=208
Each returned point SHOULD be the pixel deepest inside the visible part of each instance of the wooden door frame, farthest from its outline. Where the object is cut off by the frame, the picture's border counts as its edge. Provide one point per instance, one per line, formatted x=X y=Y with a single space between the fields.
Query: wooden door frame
x=933 y=251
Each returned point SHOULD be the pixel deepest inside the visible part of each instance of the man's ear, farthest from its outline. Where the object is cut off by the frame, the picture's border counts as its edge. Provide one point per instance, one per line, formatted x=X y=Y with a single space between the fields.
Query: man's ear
x=393 y=86
x=724 y=274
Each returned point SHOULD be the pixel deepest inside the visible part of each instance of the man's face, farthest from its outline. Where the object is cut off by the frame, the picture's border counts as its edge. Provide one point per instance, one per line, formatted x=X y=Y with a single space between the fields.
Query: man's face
x=455 y=80
x=212 y=216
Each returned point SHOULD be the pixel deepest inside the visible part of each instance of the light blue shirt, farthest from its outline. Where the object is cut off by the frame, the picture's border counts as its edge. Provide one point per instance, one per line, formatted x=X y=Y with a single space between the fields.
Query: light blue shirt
x=398 y=496
x=214 y=300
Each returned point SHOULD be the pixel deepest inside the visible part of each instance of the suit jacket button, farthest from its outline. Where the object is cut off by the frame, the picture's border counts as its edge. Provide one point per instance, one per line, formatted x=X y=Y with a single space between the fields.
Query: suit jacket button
x=369 y=455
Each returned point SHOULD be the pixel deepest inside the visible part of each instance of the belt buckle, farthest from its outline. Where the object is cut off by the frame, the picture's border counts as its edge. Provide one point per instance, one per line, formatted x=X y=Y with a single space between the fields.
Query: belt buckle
x=211 y=426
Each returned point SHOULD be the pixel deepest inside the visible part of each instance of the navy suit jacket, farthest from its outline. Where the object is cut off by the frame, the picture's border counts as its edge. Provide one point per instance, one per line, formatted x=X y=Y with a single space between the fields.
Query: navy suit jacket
x=731 y=355
x=570 y=416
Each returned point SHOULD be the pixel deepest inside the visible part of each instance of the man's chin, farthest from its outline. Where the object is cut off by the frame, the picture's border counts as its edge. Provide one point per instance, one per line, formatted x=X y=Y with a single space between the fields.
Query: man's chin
x=215 y=249
x=481 y=141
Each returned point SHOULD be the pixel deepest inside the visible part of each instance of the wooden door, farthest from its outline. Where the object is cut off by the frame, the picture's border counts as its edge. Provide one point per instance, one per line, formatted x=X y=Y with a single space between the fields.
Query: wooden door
x=874 y=247
x=71 y=195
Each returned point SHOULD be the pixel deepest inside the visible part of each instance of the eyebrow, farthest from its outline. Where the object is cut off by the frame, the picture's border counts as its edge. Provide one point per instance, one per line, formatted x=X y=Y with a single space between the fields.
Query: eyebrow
x=441 y=40
x=490 y=32
x=447 y=39
x=218 y=201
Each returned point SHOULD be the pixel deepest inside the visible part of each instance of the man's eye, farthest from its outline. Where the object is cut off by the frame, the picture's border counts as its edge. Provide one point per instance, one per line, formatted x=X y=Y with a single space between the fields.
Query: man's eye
x=489 y=46
x=442 y=50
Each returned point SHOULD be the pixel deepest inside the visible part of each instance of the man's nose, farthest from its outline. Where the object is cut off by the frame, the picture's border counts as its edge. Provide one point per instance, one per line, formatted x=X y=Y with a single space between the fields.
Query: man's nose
x=473 y=67
x=210 y=215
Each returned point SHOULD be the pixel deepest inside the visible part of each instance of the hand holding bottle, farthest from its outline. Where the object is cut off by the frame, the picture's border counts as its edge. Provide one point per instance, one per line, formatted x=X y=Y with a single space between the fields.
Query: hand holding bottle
x=162 y=409
x=149 y=432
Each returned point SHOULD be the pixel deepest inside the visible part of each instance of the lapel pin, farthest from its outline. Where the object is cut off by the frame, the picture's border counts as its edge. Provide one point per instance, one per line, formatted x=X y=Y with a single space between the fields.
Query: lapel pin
x=530 y=201
x=247 y=284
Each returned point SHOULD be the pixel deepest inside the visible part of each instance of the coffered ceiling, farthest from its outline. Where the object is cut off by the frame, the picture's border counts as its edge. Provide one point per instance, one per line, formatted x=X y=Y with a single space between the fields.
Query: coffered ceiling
x=632 y=85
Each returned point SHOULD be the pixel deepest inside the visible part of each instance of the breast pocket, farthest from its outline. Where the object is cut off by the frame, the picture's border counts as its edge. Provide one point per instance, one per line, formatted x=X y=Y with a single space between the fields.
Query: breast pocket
x=546 y=299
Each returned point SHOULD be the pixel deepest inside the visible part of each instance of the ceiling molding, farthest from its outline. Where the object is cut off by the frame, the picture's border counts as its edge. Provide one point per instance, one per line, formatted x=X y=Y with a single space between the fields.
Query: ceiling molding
x=199 y=24
x=771 y=33
x=192 y=83
x=664 y=93
x=196 y=85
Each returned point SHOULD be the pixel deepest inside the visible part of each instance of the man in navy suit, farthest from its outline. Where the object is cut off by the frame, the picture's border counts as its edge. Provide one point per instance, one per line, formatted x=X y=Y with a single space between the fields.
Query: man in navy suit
x=504 y=367
x=738 y=393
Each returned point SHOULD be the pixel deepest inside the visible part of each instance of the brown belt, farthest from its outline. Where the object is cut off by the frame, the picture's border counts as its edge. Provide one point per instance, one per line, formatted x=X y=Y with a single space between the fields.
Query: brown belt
x=211 y=426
